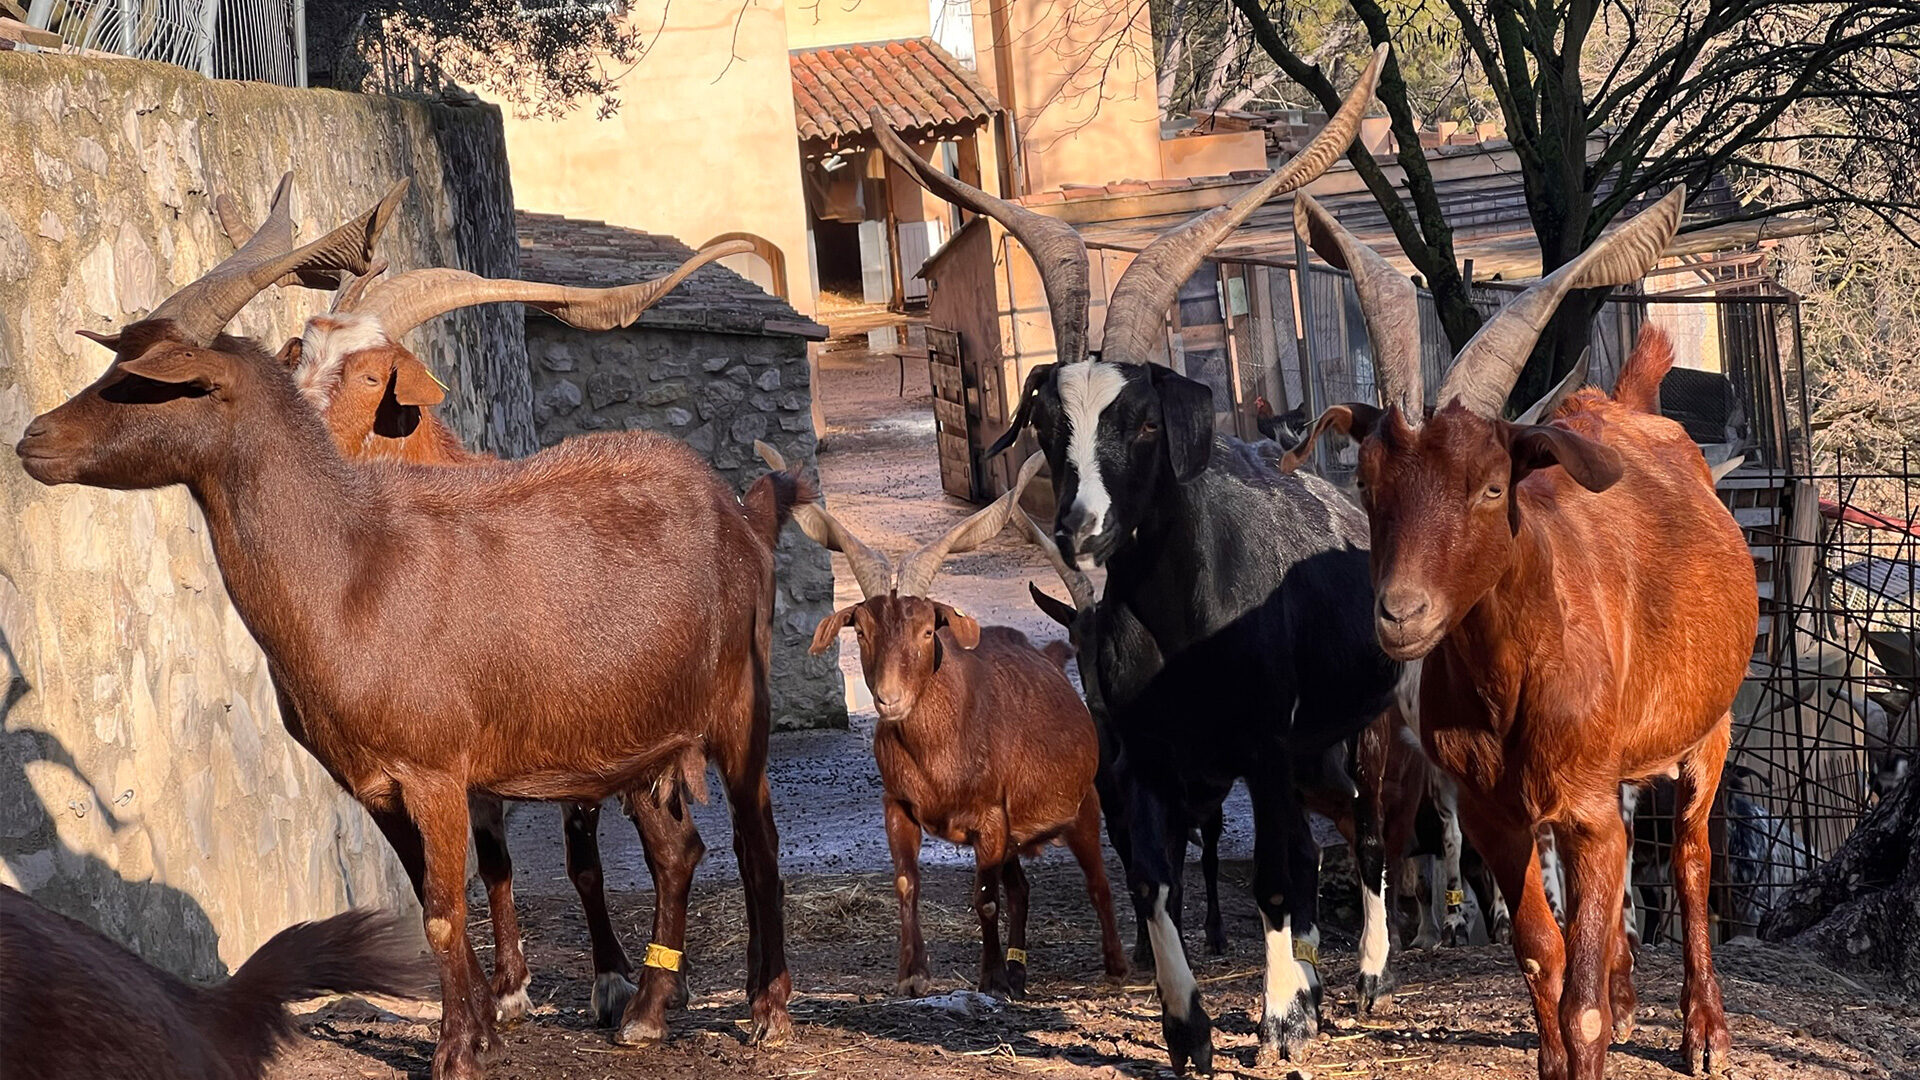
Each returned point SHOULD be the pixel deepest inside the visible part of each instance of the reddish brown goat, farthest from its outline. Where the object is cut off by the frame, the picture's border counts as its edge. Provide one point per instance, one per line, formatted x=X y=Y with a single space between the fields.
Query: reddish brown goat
x=1538 y=568
x=75 y=1004
x=982 y=741
x=602 y=615
x=377 y=399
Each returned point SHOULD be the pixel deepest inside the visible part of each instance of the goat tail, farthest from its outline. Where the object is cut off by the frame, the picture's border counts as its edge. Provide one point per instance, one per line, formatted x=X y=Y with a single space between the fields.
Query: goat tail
x=362 y=951
x=1639 y=384
x=769 y=502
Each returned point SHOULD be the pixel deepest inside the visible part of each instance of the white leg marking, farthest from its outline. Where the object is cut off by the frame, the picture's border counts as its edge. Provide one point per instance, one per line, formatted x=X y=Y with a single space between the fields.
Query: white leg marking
x=1630 y=909
x=1287 y=978
x=516 y=1004
x=1170 y=970
x=1085 y=392
x=1551 y=879
x=1373 y=930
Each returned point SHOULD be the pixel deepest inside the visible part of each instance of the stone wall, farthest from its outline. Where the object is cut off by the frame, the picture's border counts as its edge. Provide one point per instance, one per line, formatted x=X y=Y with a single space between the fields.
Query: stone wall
x=146 y=784
x=719 y=392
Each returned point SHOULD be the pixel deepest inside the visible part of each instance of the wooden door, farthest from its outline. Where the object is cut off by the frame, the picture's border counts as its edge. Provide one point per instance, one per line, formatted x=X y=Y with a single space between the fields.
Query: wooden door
x=950 y=413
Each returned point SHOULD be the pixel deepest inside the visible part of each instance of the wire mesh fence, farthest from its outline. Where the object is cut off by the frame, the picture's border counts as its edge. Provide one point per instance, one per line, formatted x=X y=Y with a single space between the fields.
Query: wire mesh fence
x=259 y=40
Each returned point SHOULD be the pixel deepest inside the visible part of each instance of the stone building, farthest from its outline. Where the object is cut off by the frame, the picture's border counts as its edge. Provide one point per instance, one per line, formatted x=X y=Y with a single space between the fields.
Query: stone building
x=719 y=363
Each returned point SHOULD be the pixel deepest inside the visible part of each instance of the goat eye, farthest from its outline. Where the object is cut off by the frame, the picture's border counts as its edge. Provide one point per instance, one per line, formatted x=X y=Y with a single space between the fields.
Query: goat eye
x=1148 y=429
x=371 y=380
x=1494 y=491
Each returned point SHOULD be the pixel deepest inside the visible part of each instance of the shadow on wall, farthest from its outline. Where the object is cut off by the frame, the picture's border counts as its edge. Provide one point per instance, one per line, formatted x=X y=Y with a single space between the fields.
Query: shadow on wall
x=85 y=886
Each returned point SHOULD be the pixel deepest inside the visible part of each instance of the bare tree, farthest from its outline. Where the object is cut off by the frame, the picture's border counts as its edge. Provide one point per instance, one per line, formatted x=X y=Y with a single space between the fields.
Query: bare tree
x=1674 y=91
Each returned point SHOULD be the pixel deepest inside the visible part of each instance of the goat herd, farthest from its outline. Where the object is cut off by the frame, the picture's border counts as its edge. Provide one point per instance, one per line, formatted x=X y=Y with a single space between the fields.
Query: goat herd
x=445 y=630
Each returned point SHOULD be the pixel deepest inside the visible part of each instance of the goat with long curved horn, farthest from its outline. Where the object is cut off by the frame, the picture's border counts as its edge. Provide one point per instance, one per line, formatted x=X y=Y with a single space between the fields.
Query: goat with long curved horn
x=872 y=571
x=1136 y=314
x=201 y=309
x=1490 y=363
x=1057 y=250
x=404 y=301
x=1388 y=301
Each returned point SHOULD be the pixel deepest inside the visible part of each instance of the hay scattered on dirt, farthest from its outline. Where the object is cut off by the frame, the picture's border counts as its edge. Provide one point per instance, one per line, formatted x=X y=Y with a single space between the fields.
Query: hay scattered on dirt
x=825 y=909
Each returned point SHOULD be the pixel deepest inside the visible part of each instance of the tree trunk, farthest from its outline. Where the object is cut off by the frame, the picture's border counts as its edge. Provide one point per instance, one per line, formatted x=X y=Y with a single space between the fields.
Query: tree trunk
x=1861 y=909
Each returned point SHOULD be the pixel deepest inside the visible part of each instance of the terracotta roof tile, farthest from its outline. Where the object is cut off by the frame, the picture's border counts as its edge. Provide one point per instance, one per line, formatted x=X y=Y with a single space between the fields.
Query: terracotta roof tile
x=916 y=84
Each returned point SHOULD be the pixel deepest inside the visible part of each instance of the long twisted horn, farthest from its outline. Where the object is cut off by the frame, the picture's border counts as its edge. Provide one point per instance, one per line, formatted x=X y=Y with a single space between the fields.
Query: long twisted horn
x=1388 y=301
x=405 y=301
x=1079 y=585
x=1057 y=250
x=1486 y=369
x=201 y=309
x=1136 y=314
x=233 y=221
x=871 y=570
x=917 y=570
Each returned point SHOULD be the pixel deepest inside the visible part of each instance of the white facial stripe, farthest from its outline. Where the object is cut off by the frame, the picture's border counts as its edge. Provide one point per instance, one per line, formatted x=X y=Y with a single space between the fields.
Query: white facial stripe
x=1086 y=390
x=1373 y=929
x=1170 y=970
x=324 y=347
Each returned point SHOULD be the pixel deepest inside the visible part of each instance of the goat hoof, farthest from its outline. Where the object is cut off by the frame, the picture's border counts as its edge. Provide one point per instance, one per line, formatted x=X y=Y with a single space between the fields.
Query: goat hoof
x=1706 y=1046
x=1284 y=1037
x=641 y=1034
x=995 y=984
x=776 y=1029
x=611 y=992
x=458 y=1060
x=1375 y=993
x=1017 y=978
x=1623 y=1029
x=1454 y=934
x=511 y=1005
x=1216 y=941
x=1502 y=931
x=1189 y=1040
x=913 y=986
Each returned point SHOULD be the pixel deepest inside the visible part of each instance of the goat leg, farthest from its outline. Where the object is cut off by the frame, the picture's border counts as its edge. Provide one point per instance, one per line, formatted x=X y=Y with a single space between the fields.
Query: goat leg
x=1210 y=828
x=1505 y=843
x=990 y=853
x=1159 y=847
x=1014 y=876
x=1705 y=1043
x=439 y=810
x=510 y=974
x=1370 y=863
x=1285 y=885
x=612 y=972
x=903 y=841
x=756 y=844
x=1593 y=852
x=673 y=850
x=1084 y=841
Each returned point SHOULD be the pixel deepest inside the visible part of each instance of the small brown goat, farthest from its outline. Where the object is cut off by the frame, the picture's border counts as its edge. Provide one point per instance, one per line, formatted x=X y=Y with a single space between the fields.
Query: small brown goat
x=1535 y=568
x=982 y=741
x=600 y=620
x=377 y=399
x=76 y=1005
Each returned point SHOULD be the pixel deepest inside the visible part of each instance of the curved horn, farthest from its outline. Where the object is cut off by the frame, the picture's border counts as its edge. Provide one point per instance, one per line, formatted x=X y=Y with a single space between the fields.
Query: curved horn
x=871 y=570
x=405 y=301
x=1057 y=250
x=201 y=309
x=1137 y=311
x=1388 y=301
x=1544 y=409
x=233 y=222
x=1079 y=585
x=1486 y=369
x=918 y=569
x=356 y=287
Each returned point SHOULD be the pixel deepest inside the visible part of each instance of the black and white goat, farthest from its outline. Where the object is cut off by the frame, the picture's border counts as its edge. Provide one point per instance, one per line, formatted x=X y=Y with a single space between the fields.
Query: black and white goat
x=1251 y=586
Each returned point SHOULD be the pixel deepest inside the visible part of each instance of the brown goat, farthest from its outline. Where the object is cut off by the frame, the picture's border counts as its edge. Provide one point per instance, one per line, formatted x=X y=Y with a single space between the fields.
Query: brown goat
x=1536 y=567
x=602 y=614
x=377 y=399
x=76 y=1005
x=982 y=741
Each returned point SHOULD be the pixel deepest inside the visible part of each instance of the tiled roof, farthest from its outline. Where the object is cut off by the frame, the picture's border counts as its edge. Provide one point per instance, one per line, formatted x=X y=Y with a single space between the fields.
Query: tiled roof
x=920 y=87
x=570 y=251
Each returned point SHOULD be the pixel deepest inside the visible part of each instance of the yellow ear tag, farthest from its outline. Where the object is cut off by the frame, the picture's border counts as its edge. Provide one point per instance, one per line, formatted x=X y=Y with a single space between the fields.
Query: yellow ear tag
x=659 y=956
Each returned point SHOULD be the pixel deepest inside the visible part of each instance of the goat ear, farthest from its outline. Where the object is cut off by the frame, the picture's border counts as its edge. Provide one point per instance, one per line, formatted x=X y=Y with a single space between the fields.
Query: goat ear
x=1539 y=446
x=1356 y=420
x=1186 y=418
x=829 y=629
x=179 y=366
x=1036 y=379
x=290 y=353
x=1057 y=610
x=413 y=384
x=964 y=628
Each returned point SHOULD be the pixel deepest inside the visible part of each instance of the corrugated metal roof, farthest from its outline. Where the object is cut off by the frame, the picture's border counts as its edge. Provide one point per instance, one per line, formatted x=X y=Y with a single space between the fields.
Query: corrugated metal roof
x=917 y=84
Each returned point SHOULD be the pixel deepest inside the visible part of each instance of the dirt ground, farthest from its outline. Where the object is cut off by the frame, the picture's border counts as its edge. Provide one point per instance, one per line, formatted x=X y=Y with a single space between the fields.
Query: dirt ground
x=1459 y=1012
